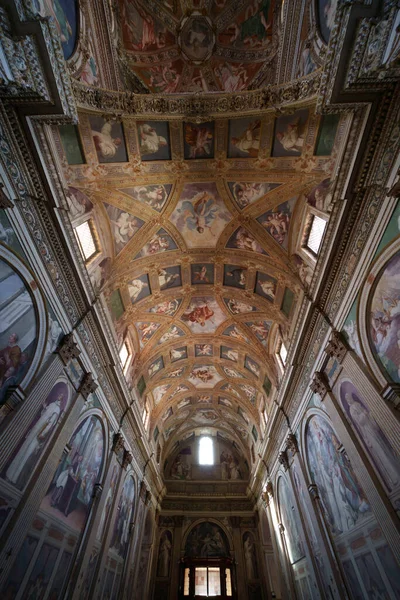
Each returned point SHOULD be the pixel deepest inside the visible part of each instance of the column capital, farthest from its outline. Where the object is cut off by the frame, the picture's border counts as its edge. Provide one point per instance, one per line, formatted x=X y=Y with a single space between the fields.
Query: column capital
x=292 y=443
x=97 y=490
x=5 y=202
x=148 y=498
x=319 y=384
x=337 y=346
x=87 y=386
x=391 y=393
x=268 y=493
x=283 y=459
x=128 y=458
x=67 y=348
x=235 y=522
x=118 y=443
x=142 y=491
x=281 y=528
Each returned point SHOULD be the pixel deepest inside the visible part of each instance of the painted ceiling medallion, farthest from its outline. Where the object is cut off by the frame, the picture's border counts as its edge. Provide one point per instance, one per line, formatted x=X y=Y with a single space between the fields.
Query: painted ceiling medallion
x=196 y=38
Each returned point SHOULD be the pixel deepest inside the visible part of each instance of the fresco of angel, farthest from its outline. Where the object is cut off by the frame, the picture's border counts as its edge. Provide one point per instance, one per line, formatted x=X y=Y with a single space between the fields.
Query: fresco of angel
x=247 y=142
x=203 y=350
x=244 y=240
x=238 y=307
x=199 y=140
x=169 y=307
x=170 y=334
x=290 y=134
x=123 y=226
x=154 y=196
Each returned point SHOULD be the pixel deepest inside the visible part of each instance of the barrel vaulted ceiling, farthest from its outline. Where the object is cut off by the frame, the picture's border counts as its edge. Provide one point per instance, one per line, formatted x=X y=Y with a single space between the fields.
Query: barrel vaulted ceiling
x=199 y=221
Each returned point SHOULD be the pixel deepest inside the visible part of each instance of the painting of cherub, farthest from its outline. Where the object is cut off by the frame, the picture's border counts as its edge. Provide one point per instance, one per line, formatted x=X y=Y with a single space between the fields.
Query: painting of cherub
x=200 y=215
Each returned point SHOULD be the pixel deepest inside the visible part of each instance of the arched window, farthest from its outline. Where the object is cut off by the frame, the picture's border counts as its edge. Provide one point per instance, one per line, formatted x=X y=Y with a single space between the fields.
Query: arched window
x=206 y=451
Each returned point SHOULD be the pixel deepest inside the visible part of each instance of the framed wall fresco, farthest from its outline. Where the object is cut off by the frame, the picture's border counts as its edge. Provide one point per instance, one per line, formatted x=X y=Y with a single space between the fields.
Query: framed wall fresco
x=235 y=276
x=18 y=338
x=161 y=241
x=120 y=534
x=372 y=438
x=139 y=288
x=287 y=302
x=169 y=277
x=123 y=226
x=244 y=138
x=265 y=286
x=326 y=135
x=325 y=10
x=277 y=222
x=198 y=140
x=250 y=556
x=154 y=142
x=33 y=443
x=71 y=143
x=290 y=134
x=70 y=492
x=155 y=195
x=246 y=193
x=291 y=520
x=202 y=273
x=164 y=554
x=242 y=239
x=65 y=15
x=206 y=539
x=109 y=140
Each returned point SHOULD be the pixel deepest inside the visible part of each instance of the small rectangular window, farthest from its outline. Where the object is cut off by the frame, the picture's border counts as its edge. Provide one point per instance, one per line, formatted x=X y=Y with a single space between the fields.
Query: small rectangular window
x=214 y=581
x=85 y=233
x=228 y=582
x=124 y=354
x=200 y=581
x=283 y=353
x=186 y=582
x=316 y=233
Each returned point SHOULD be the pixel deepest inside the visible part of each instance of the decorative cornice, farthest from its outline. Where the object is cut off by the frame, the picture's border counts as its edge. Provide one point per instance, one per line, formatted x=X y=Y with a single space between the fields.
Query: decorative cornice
x=128 y=458
x=283 y=459
x=118 y=443
x=292 y=443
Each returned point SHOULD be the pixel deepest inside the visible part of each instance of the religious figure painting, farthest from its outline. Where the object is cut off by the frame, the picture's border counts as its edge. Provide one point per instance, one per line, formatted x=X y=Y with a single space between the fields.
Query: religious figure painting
x=265 y=286
x=78 y=203
x=384 y=327
x=229 y=464
x=225 y=402
x=287 y=302
x=228 y=387
x=37 y=436
x=229 y=372
x=244 y=138
x=19 y=330
x=203 y=315
x=291 y=521
x=167 y=414
x=267 y=385
x=243 y=415
x=233 y=76
x=174 y=373
x=326 y=135
x=181 y=468
x=161 y=241
x=320 y=196
x=123 y=226
x=65 y=15
x=109 y=501
x=290 y=134
x=237 y=307
x=252 y=366
x=249 y=392
x=251 y=28
x=393 y=45
x=162 y=78
x=171 y=333
x=155 y=366
x=202 y=273
x=204 y=376
x=244 y=240
x=234 y=332
x=168 y=307
x=235 y=276
x=250 y=559
x=198 y=140
x=146 y=330
x=142 y=31
x=229 y=353
x=70 y=492
x=169 y=277
x=184 y=402
x=371 y=436
x=155 y=195
x=159 y=392
x=206 y=539
x=178 y=353
x=277 y=222
x=344 y=501
x=245 y=194
x=203 y=350
x=120 y=534
x=306 y=64
x=164 y=554
x=71 y=144
x=326 y=10
x=109 y=140
x=200 y=215
x=100 y=273
x=139 y=288
x=154 y=141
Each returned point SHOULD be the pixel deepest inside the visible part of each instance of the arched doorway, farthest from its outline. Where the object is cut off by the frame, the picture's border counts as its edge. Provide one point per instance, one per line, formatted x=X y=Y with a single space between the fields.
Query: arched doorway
x=207 y=568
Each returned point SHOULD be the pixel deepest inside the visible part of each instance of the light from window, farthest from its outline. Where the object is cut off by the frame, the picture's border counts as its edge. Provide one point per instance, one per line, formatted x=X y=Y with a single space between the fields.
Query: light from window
x=124 y=354
x=214 y=581
x=228 y=582
x=200 y=581
x=186 y=582
x=146 y=417
x=316 y=233
x=206 y=451
x=283 y=353
x=84 y=233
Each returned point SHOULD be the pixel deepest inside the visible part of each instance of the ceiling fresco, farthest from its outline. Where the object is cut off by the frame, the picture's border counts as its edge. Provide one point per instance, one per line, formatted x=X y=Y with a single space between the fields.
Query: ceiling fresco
x=203 y=46
x=200 y=261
